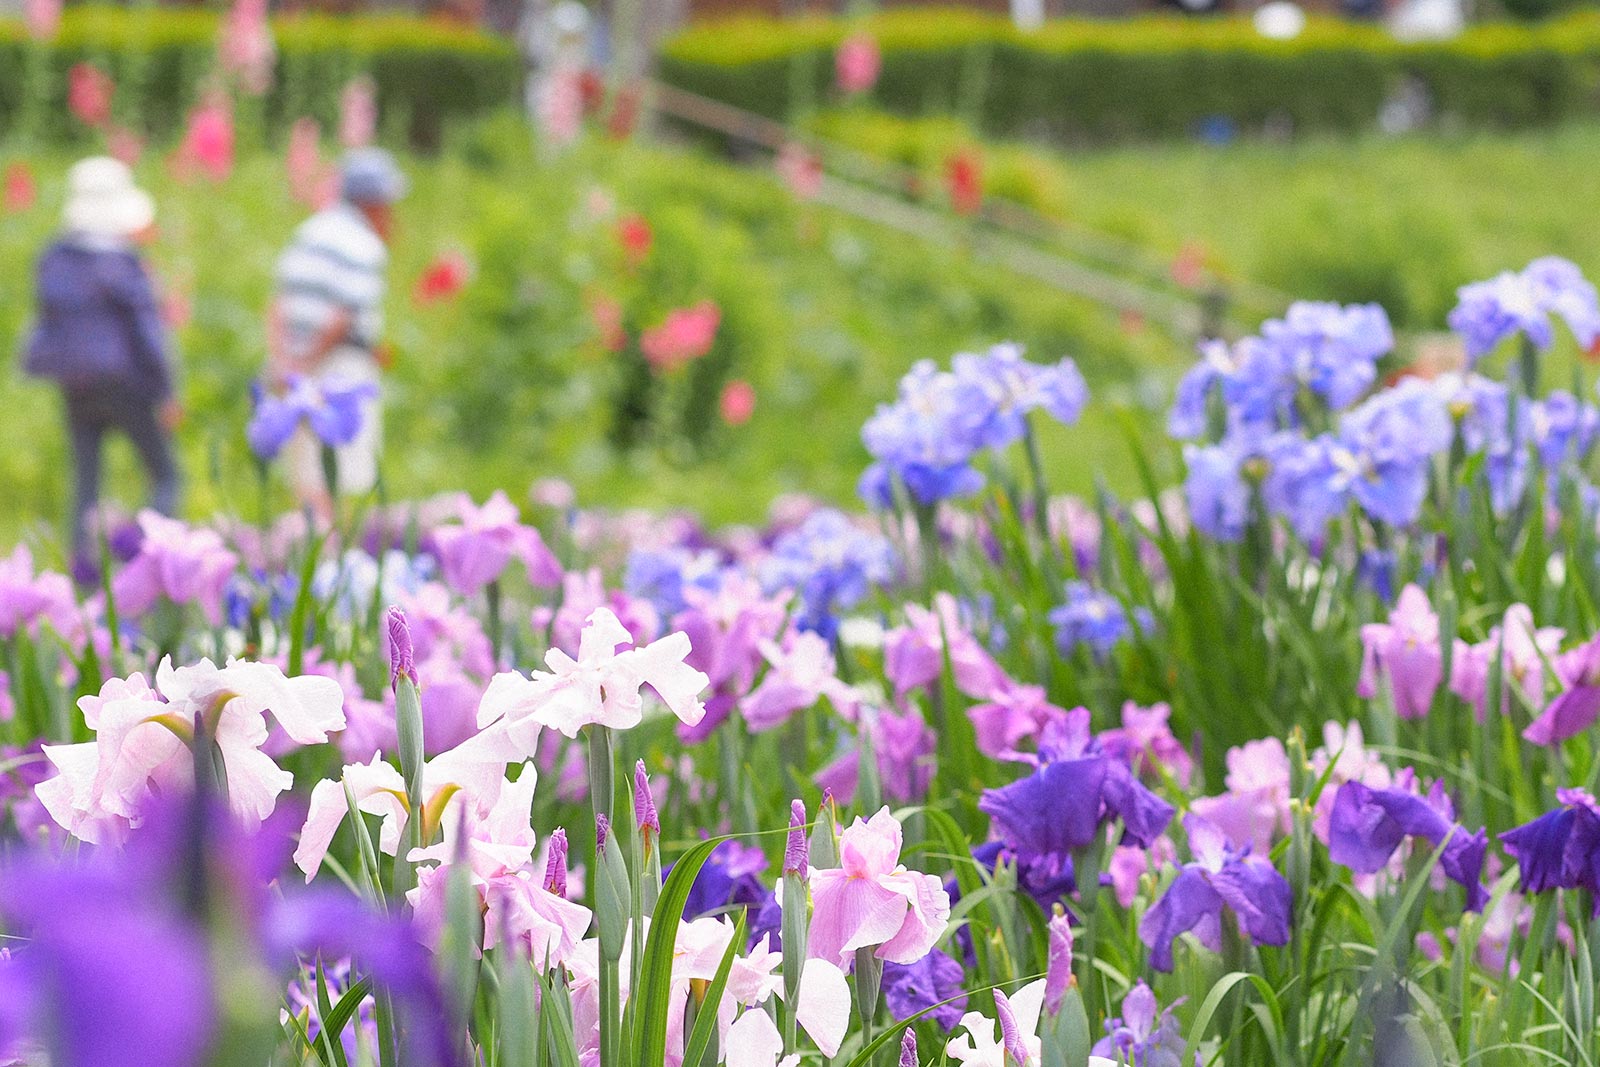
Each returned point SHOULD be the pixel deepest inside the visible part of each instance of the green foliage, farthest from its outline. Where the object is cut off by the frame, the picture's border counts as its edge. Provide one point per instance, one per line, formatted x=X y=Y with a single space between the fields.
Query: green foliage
x=1152 y=77
x=425 y=72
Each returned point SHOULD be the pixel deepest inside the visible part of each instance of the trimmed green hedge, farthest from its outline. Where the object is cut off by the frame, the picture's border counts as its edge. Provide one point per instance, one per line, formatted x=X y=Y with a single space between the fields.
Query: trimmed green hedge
x=1148 y=77
x=425 y=71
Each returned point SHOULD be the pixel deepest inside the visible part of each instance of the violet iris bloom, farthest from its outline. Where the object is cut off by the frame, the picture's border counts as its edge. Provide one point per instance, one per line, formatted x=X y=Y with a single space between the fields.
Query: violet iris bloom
x=1014 y=387
x=1368 y=825
x=1096 y=620
x=333 y=412
x=831 y=564
x=909 y=988
x=1143 y=1035
x=729 y=879
x=1220 y=878
x=926 y=439
x=1489 y=311
x=1061 y=807
x=1333 y=350
x=1560 y=849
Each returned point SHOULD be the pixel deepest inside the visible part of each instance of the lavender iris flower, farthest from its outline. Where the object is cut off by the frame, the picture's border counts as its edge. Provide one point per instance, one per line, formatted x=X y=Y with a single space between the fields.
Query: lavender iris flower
x=729 y=879
x=1560 y=849
x=1143 y=1035
x=1013 y=387
x=831 y=564
x=332 y=411
x=1247 y=379
x=1061 y=807
x=1483 y=412
x=1216 y=492
x=1333 y=350
x=1564 y=429
x=1220 y=878
x=1368 y=825
x=662 y=575
x=926 y=439
x=1488 y=312
x=1095 y=620
x=935 y=978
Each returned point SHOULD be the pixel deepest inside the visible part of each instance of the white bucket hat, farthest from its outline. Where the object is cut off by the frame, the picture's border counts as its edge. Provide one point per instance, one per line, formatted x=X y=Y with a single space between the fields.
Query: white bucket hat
x=103 y=201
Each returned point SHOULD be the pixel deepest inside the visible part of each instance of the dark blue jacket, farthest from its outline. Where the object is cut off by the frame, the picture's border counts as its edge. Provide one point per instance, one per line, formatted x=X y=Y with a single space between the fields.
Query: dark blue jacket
x=98 y=323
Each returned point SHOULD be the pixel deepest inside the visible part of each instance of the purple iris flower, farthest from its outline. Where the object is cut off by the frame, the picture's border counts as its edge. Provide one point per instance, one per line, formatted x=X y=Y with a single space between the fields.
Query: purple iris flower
x=911 y=988
x=1060 y=808
x=1246 y=382
x=1219 y=878
x=1482 y=409
x=1560 y=849
x=1368 y=825
x=1564 y=429
x=926 y=439
x=1331 y=349
x=729 y=879
x=1144 y=1035
x=333 y=411
x=831 y=564
x=1216 y=492
x=1488 y=312
x=1013 y=387
x=1096 y=620
x=662 y=575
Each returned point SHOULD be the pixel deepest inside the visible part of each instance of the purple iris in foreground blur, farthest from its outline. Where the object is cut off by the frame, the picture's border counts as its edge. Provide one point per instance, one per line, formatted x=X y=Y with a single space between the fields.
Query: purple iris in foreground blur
x=1488 y=312
x=117 y=969
x=1560 y=849
x=333 y=412
x=1061 y=807
x=1095 y=620
x=1219 y=878
x=1368 y=825
x=909 y=988
x=729 y=879
x=831 y=564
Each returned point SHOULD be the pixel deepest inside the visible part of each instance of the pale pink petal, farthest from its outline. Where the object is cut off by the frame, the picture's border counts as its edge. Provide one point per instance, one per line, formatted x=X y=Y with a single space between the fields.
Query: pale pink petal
x=754 y=1041
x=823 y=1010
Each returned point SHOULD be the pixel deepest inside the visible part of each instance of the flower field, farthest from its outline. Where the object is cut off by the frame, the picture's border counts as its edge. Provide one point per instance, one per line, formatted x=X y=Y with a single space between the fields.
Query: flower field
x=1289 y=761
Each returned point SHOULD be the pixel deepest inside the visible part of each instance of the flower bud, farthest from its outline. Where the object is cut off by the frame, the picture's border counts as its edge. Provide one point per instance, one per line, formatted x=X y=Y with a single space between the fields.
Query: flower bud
x=796 y=853
x=555 y=864
x=401 y=657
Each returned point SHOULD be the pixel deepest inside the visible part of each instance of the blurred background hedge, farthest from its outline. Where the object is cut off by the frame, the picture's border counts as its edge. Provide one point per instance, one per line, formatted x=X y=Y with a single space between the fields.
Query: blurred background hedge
x=425 y=71
x=1075 y=81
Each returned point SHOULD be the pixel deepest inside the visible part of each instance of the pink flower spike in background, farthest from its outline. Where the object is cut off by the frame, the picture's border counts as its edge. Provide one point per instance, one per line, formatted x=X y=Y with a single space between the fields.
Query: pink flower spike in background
x=737 y=403
x=800 y=170
x=358 y=112
x=89 y=91
x=857 y=63
x=43 y=18
x=21 y=191
x=683 y=336
x=247 y=51
x=207 y=146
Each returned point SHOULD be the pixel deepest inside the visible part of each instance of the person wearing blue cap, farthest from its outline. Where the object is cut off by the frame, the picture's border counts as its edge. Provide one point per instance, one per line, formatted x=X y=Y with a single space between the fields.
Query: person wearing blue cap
x=326 y=319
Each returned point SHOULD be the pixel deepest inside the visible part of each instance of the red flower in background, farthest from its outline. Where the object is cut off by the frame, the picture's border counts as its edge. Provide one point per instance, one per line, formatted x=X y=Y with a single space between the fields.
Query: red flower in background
x=857 y=63
x=21 y=190
x=684 y=335
x=606 y=312
x=89 y=92
x=624 y=116
x=963 y=179
x=737 y=403
x=801 y=170
x=444 y=279
x=591 y=91
x=207 y=146
x=635 y=237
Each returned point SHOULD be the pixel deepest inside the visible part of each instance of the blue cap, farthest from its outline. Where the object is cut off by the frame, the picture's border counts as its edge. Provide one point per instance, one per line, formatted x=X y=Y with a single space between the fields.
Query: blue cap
x=371 y=176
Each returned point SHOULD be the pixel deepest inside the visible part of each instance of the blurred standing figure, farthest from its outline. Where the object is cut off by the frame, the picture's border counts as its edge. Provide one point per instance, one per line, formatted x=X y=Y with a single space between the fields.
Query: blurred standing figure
x=325 y=321
x=100 y=336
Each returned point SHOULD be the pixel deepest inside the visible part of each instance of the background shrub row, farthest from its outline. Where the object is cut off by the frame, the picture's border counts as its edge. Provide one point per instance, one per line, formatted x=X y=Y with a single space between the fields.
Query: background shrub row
x=425 y=72
x=1149 y=77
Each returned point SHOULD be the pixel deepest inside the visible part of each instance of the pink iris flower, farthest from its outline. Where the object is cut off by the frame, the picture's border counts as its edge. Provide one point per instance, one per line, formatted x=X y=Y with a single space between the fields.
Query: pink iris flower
x=803 y=672
x=871 y=901
x=1406 y=652
x=474 y=553
x=176 y=562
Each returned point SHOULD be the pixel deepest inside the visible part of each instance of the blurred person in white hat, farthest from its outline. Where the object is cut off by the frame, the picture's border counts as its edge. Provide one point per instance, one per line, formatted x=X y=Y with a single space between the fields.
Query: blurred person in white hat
x=100 y=337
x=326 y=319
